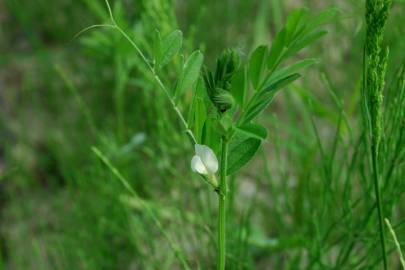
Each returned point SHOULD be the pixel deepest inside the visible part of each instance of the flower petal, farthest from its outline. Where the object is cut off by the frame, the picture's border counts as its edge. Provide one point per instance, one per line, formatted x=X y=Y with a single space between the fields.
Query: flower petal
x=200 y=149
x=198 y=166
x=207 y=157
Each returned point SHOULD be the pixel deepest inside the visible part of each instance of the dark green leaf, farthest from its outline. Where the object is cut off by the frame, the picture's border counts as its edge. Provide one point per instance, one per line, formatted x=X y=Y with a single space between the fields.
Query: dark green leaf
x=253 y=130
x=277 y=85
x=242 y=148
x=259 y=106
x=284 y=72
x=239 y=86
x=265 y=97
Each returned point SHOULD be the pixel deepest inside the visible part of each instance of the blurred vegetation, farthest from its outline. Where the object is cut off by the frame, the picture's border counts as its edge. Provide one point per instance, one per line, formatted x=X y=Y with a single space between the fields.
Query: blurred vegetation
x=306 y=202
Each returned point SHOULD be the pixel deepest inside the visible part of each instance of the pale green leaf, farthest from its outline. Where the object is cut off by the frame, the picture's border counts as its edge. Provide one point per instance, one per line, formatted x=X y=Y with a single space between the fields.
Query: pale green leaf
x=190 y=73
x=169 y=48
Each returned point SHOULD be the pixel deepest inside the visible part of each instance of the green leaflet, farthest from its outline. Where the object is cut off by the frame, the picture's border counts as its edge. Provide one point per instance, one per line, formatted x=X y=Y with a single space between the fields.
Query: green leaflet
x=239 y=86
x=293 y=25
x=210 y=136
x=265 y=96
x=242 y=148
x=322 y=18
x=277 y=85
x=277 y=49
x=304 y=41
x=257 y=65
x=253 y=130
x=258 y=108
x=300 y=31
x=198 y=111
x=190 y=73
x=167 y=48
x=283 y=72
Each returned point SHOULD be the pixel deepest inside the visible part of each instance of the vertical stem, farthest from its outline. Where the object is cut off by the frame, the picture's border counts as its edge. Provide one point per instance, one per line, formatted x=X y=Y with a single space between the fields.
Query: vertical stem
x=374 y=153
x=221 y=201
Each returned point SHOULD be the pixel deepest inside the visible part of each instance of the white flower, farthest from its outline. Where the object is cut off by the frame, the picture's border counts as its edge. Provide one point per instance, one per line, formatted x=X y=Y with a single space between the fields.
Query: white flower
x=204 y=162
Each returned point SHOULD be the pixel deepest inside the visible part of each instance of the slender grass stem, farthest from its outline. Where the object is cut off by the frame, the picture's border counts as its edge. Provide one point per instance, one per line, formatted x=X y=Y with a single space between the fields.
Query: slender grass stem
x=222 y=205
x=396 y=242
x=374 y=153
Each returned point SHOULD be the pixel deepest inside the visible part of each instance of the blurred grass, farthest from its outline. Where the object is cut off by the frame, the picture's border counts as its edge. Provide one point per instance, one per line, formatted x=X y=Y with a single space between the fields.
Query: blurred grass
x=305 y=203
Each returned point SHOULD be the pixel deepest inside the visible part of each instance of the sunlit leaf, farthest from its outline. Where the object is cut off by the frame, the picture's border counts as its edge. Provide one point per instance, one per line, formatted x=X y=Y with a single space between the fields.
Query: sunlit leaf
x=293 y=24
x=170 y=45
x=277 y=47
x=257 y=65
x=304 y=41
x=190 y=73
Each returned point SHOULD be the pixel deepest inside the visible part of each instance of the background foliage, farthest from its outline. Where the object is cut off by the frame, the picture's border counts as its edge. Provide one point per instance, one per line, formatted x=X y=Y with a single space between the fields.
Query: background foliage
x=306 y=201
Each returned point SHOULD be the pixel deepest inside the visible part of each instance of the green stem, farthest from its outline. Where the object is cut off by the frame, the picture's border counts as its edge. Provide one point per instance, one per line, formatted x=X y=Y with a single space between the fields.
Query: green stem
x=374 y=153
x=222 y=202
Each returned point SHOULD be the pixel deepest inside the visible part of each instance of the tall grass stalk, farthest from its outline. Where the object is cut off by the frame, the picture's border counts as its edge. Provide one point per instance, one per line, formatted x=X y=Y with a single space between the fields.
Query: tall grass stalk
x=377 y=12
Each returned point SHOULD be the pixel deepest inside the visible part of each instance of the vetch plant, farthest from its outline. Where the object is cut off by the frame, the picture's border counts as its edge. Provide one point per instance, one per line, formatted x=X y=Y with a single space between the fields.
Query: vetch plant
x=223 y=116
x=226 y=101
